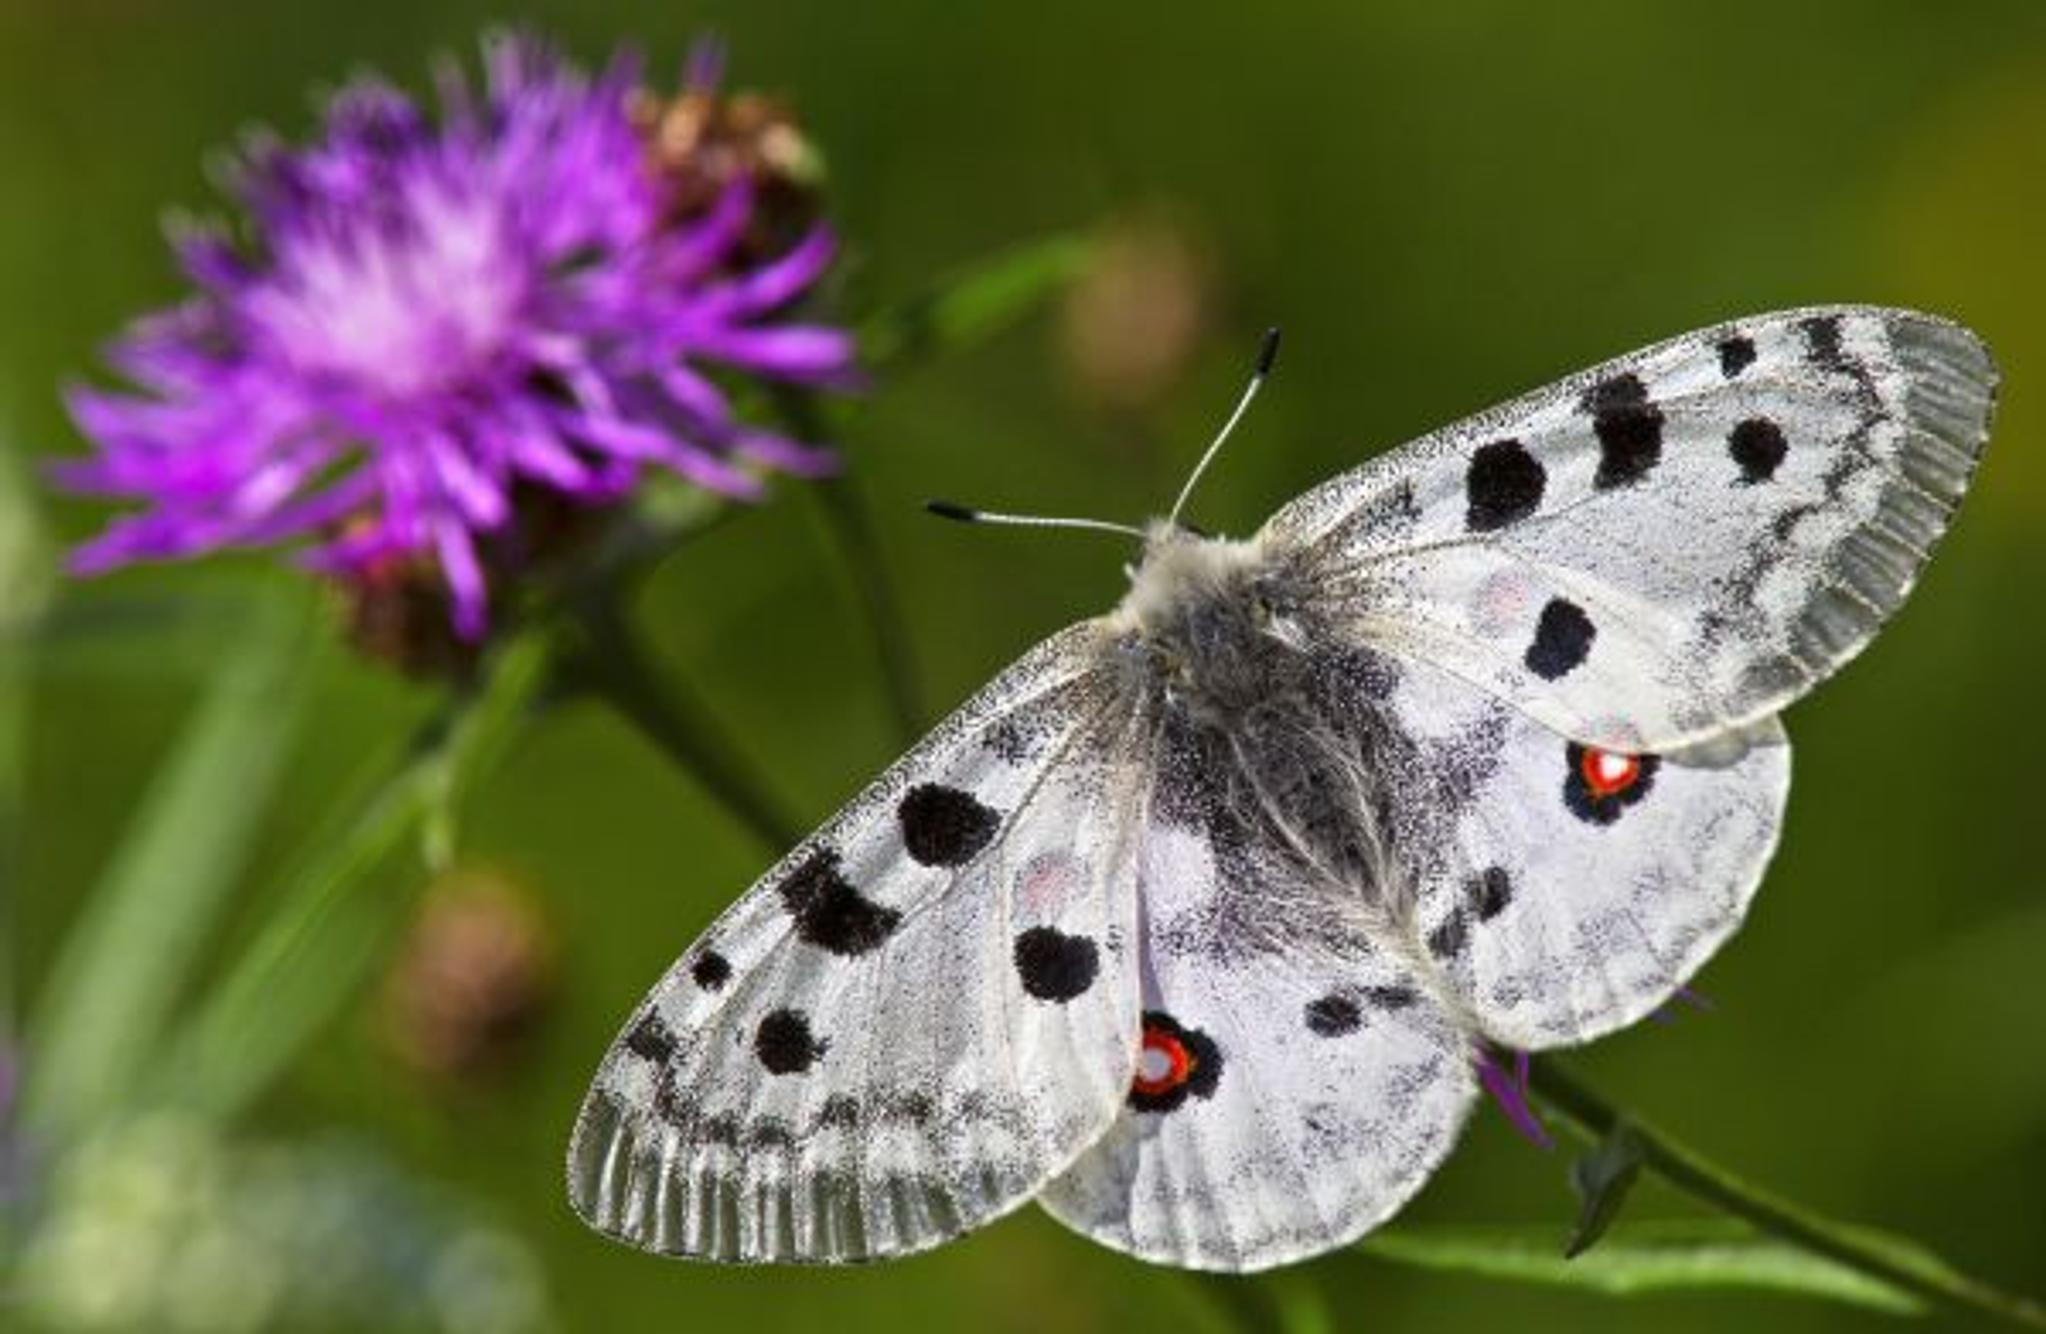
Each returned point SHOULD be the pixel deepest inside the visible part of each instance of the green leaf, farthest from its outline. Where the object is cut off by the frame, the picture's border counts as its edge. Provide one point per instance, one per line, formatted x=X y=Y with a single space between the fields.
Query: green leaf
x=326 y=932
x=1884 y=1257
x=1603 y=1178
x=1676 y=1256
x=127 y=956
x=973 y=303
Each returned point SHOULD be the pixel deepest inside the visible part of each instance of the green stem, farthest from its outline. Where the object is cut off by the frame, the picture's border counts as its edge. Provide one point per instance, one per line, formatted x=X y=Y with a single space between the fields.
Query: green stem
x=1698 y=1177
x=613 y=664
x=845 y=514
x=852 y=533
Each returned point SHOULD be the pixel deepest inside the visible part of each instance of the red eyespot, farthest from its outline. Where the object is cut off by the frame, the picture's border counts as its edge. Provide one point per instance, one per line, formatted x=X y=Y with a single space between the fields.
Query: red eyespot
x=1608 y=773
x=1163 y=1064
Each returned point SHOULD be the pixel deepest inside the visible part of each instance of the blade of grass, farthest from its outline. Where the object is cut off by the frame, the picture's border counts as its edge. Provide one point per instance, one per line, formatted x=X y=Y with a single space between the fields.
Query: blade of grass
x=1637 y=1258
x=25 y=583
x=126 y=958
x=1881 y=1256
x=325 y=934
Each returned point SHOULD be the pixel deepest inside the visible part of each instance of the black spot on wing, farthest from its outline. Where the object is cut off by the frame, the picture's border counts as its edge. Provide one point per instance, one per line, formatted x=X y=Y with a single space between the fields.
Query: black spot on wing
x=1736 y=354
x=1394 y=997
x=904 y=1107
x=840 y=1111
x=1629 y=429
x=784 y=1043
x=1055 y=966
x=1489 y=893
x=830 y=913
x=651 y=1039
x=711 y=970
x=770 y=1132
x=942 y=826
x=1562 y=639
x=1451 y=936
x=1822 y=342
x=1017 y=738
x=1758 y=446
x=1504 y=484
x=1334 y=1015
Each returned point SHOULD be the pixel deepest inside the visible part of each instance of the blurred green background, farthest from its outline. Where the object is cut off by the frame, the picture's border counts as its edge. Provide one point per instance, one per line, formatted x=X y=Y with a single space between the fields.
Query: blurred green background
x=1443 y=204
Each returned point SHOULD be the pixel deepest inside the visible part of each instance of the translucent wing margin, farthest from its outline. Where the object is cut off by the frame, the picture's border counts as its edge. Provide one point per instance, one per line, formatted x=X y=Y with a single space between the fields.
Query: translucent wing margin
x=912 y=1022
x=1675 y=543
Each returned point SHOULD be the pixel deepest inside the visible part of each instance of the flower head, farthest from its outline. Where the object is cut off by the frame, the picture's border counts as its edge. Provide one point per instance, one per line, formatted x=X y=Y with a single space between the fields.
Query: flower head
x=429 y=318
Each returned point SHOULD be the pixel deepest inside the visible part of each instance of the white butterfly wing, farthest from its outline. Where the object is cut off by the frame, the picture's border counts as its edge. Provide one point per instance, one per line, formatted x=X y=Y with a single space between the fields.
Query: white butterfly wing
x=1297 y=1084
x=911 y=1023
x=1678 y=542
x=1561 y=892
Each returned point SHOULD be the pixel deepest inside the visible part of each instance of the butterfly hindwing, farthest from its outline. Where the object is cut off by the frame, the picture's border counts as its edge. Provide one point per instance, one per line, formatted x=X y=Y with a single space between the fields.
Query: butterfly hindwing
x=1297 y=1085
x=914 y=1020
x=1559 y=891
x=1677 y=542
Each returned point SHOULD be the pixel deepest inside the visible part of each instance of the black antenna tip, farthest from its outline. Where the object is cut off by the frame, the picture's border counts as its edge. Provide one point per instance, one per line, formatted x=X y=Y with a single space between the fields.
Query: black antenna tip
x=945 y=509
x=1268 y=351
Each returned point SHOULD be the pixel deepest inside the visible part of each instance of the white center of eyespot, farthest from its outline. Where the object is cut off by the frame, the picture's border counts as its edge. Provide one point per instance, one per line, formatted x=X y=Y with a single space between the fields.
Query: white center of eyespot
x=1612 y=768
x=1154 y=1065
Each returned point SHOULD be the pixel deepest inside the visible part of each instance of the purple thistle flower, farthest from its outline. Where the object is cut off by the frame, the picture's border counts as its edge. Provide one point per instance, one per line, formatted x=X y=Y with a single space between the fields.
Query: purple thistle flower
x=430 y=319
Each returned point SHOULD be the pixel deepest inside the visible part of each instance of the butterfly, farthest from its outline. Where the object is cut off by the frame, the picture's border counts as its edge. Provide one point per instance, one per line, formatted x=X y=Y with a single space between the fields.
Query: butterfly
x=1191 y=924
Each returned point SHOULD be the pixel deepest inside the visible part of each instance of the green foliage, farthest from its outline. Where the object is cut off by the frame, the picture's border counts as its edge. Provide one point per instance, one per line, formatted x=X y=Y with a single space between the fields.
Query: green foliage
x=330 y=920
x=1642 y=1258
x=130 y=953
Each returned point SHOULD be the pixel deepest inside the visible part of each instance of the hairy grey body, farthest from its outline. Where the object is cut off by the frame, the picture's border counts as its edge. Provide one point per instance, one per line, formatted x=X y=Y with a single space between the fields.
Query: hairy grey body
x=1268 y=730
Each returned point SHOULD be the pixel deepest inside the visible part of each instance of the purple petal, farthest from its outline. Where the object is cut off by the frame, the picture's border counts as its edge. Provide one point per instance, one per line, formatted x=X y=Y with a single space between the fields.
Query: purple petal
x=350 y=496
x=481 y=501
x=697 y=396
x=471 y=600
x=649 y=444
x=790 y=351
x=704 y=70
x=701 y=247
x=790 y=456
x=779 y=283
x=207 y=255
x=536 y=452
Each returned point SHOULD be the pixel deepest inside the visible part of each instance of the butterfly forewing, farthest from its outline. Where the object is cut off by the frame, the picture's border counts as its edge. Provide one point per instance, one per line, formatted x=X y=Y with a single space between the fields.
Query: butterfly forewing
x=1677 y=542
x=909 y=1024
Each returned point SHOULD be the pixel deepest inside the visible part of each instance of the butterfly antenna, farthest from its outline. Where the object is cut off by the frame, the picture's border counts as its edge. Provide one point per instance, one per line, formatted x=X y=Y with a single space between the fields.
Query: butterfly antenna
x=1267 y=352
x=945 y=509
